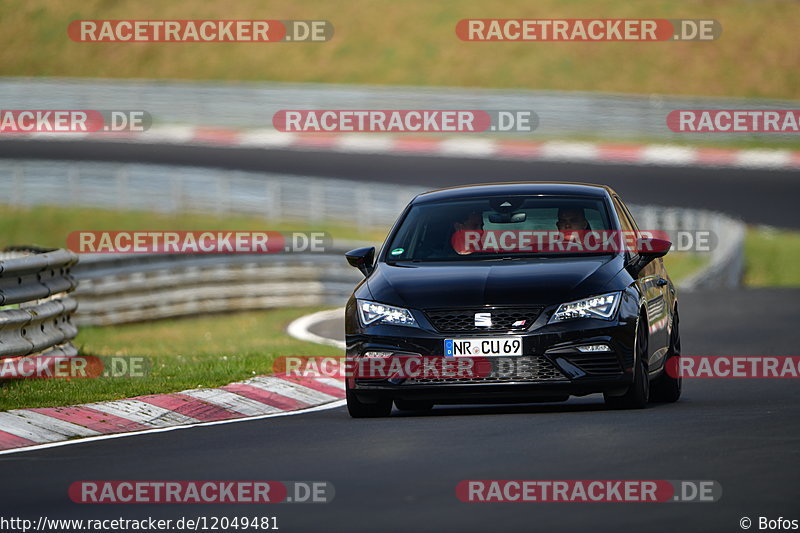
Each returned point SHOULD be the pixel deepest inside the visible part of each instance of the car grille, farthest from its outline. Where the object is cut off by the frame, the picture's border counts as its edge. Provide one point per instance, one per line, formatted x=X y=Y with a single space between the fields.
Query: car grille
x=463 y=320
x=502 y=370
x=599 y=364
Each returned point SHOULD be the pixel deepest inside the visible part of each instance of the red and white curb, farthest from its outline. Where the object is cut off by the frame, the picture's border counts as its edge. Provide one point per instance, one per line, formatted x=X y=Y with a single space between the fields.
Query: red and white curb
x=465 y=146
x=258 y=397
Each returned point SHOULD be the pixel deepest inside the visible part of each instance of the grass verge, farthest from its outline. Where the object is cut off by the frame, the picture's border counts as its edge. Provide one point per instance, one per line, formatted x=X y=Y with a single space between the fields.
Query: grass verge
x=681 y=264
x=414 y=43
x=207 y=351
x=772 y=257
x=50 y=225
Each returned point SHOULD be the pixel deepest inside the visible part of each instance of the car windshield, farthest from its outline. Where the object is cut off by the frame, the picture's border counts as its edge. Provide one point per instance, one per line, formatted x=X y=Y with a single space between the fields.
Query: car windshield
x=489 y=228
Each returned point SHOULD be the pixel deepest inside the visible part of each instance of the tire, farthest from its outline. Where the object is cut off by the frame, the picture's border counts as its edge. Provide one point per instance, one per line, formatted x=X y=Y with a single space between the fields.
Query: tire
x=665 y=388
x=638 y=393
x=381 y=407
x=413 y=405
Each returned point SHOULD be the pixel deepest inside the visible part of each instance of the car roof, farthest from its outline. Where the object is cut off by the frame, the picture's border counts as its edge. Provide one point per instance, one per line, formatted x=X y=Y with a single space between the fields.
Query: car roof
x=547 y=188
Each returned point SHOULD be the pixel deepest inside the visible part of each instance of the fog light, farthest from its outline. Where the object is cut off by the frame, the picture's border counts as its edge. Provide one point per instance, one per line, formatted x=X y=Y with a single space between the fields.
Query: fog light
x=594 y=348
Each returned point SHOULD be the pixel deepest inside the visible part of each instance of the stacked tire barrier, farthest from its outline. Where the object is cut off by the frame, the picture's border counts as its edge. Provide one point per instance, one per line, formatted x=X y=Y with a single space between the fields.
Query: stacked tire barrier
x=36 y=308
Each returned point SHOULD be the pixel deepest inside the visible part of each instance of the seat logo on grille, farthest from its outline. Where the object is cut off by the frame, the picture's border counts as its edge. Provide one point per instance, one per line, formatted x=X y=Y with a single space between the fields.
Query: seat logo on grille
x=483 y=320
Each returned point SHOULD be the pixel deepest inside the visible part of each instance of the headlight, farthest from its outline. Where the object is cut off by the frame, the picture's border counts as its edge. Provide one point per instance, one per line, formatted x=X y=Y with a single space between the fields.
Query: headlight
x=603 y=307
x=371 y=313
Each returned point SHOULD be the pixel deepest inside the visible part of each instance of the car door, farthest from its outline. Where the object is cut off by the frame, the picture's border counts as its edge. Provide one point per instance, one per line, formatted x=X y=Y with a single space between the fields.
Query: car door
x=654 y=284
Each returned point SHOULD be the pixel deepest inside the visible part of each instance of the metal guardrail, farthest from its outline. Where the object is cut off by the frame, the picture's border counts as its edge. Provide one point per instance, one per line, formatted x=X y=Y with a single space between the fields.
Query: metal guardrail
x=725 y=266
x=35 y=308
x=116 y=289
x=175 y=189
x=252 y=105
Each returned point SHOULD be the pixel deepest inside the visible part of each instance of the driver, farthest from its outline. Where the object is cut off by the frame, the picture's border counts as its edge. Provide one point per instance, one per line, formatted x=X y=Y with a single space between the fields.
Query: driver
x=572 y=224
x=572 y=219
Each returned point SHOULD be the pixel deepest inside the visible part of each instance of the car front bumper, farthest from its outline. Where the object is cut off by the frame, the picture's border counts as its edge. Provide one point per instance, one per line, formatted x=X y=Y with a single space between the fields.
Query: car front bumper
x=550 y=368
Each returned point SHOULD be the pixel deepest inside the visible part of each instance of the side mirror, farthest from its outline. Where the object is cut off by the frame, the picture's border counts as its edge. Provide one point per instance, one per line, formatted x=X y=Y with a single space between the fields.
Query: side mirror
x=363 y=259
x=649 y=249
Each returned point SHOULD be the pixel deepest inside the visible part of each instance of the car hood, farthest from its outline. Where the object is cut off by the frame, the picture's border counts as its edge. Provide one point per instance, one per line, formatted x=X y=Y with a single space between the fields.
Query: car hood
x=536 y=281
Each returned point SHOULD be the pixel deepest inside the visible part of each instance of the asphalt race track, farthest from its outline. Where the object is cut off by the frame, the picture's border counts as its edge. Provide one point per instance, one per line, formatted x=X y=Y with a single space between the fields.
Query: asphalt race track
x=400 y=473
x=758 y=196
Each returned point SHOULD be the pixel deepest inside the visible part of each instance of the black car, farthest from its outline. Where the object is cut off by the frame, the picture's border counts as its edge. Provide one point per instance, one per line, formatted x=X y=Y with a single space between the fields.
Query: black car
x=542 y=322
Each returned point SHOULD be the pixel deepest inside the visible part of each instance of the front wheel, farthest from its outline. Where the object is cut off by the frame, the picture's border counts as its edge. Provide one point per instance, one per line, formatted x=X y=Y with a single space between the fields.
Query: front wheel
x=638 y=393
x=667 y=389
x=376 y=408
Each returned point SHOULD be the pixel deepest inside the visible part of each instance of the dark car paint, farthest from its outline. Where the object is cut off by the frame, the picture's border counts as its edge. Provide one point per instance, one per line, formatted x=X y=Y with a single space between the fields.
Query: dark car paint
x=545 y=281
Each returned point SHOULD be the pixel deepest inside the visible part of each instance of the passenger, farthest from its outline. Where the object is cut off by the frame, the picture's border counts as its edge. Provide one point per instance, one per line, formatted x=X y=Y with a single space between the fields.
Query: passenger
x=472 y=221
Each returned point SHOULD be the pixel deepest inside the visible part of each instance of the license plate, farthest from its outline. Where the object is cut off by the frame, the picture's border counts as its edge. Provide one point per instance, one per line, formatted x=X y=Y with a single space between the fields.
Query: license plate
x=483 y=346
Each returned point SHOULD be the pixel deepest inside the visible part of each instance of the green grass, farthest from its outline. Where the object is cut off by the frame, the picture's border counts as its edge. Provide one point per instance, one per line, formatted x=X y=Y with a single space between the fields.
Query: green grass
x=414 y=43
x=682 y=264
x=771 y=258
x=50 y=226
x=207 y=351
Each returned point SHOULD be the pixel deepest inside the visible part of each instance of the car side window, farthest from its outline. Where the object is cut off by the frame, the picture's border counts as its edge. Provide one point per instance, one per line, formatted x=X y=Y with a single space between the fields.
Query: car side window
x=626 y=211
x=626 y=221
x=624 y=217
